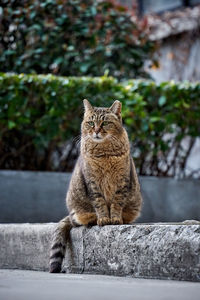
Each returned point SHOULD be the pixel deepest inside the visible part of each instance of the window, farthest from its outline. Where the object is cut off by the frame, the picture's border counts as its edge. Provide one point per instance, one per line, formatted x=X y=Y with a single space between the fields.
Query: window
x=159 y=6
x=194 y=2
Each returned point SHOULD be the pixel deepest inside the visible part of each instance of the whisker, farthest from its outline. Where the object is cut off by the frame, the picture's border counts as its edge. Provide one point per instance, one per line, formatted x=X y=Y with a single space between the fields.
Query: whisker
x=77 y=140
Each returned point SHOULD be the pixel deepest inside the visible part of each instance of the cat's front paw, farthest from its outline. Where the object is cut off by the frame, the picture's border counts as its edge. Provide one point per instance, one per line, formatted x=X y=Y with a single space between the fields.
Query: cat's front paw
x=103 y=221
x=116 y=221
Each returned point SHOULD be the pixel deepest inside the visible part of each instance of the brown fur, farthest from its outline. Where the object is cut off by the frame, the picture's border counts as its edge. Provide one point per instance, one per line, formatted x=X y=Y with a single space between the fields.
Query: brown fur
x=104 y=187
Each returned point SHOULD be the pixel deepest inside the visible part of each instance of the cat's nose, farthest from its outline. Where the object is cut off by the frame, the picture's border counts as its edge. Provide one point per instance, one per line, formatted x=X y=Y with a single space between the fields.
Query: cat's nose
x=97 y=130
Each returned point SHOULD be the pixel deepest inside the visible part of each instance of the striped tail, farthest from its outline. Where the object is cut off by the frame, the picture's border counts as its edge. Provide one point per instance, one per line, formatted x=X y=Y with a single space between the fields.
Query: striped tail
x=58 y=247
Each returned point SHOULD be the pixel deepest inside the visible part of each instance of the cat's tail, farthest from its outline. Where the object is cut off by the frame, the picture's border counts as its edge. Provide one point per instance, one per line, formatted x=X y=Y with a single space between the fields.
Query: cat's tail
x=58 y=247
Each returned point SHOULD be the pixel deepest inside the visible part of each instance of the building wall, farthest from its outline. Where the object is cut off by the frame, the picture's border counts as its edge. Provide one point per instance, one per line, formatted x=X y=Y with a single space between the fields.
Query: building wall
x=179 y=58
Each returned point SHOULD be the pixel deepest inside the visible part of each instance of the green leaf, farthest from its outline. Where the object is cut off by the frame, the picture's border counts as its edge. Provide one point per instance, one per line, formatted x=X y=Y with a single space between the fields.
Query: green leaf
x=58 y=60
x=162 y=100
x=84 y=67
x=155 y=119
x=129 y=121
x=11 y=124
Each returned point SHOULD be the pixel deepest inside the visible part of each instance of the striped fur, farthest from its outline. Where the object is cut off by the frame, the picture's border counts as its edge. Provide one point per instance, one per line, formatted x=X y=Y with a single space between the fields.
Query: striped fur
x=104 y=187
x=58 y=248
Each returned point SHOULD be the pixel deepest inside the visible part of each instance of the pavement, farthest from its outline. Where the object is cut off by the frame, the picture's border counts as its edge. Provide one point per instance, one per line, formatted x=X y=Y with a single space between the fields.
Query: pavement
x=31 y=285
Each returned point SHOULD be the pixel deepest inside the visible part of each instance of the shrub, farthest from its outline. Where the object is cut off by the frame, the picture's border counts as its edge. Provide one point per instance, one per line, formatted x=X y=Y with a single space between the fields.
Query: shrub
x=39 y=113
x=72 y=38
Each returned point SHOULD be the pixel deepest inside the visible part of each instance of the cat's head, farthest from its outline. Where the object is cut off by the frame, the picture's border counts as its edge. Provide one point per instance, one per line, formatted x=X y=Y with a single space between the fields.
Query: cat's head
x=100 y=123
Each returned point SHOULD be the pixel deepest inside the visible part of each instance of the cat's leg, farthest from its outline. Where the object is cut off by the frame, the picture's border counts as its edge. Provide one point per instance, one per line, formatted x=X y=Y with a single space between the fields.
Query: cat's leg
x=100 y=206
x=98 y=202
x=90 y=212
x=102 y=211
x=126 y=216
x=126 y=205
x=116 y=213
x=118 y=203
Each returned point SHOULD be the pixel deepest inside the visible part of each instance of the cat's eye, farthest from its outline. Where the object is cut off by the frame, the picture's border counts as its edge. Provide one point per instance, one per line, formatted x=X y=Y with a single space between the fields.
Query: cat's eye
x=91 y=123
x=105 y=123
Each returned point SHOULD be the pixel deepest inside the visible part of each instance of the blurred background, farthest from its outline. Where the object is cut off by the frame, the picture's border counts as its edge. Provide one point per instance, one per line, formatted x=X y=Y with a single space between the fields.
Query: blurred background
x=54 y=53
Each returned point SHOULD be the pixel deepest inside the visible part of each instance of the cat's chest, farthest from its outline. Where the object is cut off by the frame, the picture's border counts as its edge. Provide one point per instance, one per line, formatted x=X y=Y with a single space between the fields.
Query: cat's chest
x=108 y=175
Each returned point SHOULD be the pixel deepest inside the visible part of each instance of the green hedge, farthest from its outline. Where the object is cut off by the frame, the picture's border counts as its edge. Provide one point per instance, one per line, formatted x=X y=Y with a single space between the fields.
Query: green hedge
x=73 y=37
x=39 y=113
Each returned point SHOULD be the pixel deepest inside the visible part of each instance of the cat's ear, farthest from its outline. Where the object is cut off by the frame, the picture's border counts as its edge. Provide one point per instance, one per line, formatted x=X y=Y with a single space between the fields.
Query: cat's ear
x=116 y=107
x=87 y=105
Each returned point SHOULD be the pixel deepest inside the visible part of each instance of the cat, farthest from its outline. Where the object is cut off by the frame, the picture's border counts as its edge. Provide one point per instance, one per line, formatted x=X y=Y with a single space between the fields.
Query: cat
x=104 y=187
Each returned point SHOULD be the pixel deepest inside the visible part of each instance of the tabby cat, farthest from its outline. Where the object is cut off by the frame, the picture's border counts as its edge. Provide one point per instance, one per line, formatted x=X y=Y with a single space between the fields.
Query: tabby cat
x=104 y=187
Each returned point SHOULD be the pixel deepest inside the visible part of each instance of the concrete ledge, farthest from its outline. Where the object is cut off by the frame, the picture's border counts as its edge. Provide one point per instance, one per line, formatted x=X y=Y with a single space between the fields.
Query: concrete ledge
x=140 y=250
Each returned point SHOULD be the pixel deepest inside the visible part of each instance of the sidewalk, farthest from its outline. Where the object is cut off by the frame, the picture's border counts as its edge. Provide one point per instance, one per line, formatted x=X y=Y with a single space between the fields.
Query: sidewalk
x=31 y=285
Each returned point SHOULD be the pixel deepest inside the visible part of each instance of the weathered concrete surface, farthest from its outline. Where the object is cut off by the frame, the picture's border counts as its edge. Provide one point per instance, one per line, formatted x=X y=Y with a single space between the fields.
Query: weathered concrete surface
x=25 y=246
x=23 y=285
x=141 y=251
x=40 y=197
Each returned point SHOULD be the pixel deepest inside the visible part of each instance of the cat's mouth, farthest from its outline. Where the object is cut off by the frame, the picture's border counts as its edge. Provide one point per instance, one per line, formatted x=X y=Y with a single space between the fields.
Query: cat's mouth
x=97 y=137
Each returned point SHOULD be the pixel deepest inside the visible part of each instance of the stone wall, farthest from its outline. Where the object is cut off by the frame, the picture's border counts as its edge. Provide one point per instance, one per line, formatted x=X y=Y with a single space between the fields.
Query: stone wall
x=179 y=59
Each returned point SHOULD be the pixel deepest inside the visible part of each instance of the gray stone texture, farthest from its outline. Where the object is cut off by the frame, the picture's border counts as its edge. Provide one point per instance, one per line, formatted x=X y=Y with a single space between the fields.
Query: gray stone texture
x=160 y=251
x=40 y=197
